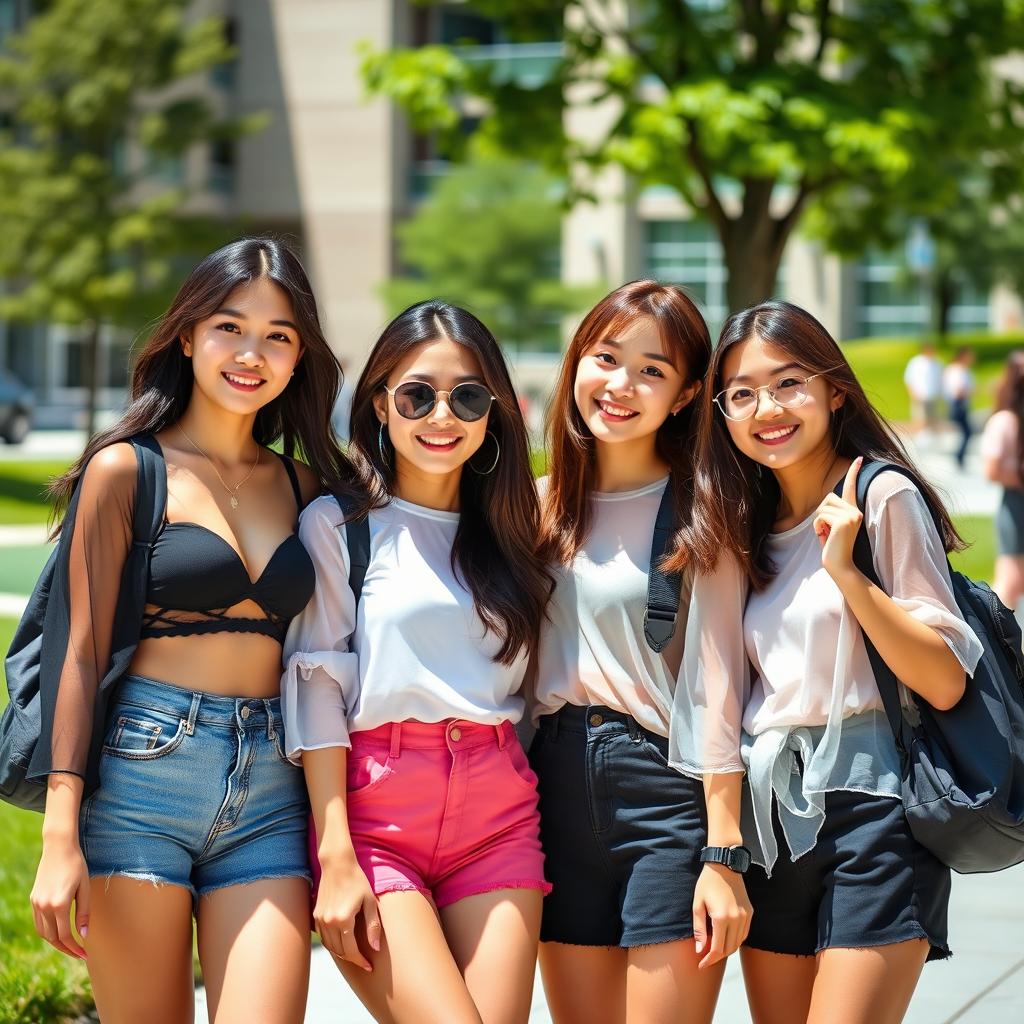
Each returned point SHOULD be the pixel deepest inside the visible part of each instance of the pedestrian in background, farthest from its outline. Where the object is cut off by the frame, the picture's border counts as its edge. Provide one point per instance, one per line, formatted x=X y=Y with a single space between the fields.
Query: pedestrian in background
x=1002 y=461
x=923 y=379
x=958 y=388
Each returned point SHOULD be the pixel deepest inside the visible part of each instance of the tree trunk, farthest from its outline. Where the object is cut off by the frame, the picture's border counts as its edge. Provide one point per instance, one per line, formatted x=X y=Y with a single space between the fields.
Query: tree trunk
x=92 y=381
x=943 y=295
x=752 y=265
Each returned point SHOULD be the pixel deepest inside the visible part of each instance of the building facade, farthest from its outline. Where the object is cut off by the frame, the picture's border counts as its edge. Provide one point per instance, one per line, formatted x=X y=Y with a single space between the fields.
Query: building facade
x=338 y=172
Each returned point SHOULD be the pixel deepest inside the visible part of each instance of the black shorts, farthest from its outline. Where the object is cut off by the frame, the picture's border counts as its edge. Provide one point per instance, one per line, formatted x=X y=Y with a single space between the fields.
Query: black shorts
x=867 y=882
x=622 y=832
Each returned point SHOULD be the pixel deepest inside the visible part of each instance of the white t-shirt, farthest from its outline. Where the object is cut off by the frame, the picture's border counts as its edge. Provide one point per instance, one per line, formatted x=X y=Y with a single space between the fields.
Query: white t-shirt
x=923 y=377
x=593 y=649
x=415 y=649
x=957 y=382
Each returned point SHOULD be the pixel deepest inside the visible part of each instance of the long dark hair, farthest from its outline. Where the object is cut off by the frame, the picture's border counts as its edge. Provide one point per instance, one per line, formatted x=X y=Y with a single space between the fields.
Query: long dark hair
x=1010 y=398
x=737 y=498
x=684 y=334
x=493 y=553
x=162 y=379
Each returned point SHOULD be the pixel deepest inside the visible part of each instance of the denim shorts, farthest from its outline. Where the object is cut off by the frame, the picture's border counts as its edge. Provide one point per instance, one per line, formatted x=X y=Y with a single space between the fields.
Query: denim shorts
x=867 y=882
x=621 y=830
x=195 y=791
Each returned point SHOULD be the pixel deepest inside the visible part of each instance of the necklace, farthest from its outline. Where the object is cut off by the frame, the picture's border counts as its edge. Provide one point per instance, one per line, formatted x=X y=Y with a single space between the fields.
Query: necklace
x=232 y=491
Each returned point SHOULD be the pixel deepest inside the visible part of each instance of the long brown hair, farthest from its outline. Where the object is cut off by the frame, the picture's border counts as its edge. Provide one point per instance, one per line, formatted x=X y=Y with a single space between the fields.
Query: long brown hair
x=494 y=545
x=162 y=379
x=736 y=497
x=1010 y=398
x=567 y=513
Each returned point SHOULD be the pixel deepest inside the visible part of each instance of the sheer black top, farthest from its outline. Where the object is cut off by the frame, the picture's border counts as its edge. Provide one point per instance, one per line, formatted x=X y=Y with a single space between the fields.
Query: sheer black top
x=107 y=583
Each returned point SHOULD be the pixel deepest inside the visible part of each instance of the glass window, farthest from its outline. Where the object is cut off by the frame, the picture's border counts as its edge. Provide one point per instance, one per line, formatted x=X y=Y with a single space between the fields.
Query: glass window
x=891 y=301
x=688 y=253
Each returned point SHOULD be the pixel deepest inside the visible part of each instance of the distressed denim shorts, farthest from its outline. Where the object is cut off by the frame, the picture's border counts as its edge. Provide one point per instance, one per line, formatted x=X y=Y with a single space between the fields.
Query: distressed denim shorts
x=621 y=830
x=195 y=791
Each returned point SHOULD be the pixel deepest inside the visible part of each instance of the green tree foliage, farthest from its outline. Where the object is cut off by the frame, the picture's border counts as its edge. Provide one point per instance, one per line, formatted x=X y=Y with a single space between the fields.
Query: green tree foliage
x=487 y=238
x=752 y=110
x=99 y=93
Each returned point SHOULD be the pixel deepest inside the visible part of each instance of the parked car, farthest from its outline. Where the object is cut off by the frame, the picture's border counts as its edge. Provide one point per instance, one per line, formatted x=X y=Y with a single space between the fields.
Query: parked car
x=16 y=404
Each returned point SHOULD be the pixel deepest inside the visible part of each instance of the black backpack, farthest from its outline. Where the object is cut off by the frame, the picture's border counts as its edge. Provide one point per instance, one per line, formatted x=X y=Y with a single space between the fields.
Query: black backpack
x=663 y=588
x=963 y=769
x=21 y=722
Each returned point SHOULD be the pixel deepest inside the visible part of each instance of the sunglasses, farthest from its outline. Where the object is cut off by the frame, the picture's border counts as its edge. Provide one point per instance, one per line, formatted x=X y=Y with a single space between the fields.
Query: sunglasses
x=415 y=399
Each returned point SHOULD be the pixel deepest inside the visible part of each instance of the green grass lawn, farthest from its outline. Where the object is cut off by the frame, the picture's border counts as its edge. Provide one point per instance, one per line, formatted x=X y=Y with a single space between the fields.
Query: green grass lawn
x=37 y=984
x=23 y=490
x=879 y=365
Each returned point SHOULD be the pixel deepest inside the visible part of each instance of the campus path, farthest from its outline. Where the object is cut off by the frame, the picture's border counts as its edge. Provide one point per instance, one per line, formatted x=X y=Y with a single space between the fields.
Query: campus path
x=982 y=984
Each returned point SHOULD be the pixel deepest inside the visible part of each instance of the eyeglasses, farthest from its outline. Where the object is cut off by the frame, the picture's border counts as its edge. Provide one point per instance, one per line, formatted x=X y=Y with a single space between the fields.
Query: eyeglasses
x=740 y=403
x=415 y=399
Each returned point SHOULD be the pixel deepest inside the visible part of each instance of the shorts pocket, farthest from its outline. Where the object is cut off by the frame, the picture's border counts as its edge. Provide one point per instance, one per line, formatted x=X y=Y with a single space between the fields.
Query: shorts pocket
x=138 y=734
x=367 y=770
x=517 y=761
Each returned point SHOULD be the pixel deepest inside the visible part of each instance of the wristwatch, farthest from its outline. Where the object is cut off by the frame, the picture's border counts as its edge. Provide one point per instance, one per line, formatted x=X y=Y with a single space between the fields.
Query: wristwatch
x=735 y=858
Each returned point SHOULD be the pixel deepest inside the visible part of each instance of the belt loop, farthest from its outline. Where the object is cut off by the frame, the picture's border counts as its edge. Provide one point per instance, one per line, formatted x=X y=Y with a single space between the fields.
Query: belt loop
x=193 y=711
x=271 y=734
x=396 y=739
x=556 y=719
x=500 y=731
x=636 y=734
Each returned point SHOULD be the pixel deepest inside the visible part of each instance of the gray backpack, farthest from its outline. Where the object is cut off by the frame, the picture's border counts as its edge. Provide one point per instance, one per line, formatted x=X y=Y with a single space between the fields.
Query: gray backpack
x=41 y=639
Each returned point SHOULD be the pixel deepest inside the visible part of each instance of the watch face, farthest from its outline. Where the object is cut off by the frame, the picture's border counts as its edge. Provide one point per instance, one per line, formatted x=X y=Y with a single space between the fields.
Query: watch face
x=739 y=857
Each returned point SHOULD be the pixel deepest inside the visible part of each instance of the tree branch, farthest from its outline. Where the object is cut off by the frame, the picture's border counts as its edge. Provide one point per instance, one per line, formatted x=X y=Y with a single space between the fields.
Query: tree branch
x=824 y=17
x=714 y=208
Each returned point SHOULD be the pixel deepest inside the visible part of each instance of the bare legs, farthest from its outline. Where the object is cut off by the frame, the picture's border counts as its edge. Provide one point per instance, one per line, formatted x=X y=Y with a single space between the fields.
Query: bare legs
x=253 y=945
x=471 y=963
x=839 y=986
x=657 y=984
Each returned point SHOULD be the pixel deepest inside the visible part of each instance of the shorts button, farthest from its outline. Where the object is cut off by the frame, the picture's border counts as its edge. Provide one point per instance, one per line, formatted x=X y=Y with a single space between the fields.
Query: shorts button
x=245 y=712
x=456 y=734
x=596 y=719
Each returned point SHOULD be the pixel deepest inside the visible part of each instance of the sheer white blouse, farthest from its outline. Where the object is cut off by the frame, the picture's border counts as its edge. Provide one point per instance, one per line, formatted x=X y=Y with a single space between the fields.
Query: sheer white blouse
x=414 y=649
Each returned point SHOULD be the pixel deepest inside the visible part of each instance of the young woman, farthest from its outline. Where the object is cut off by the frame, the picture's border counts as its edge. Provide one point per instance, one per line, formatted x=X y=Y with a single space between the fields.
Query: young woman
x=401 y=706
x=625 y=932
x=847 y=906
x=192 y=808
x=1002 y=453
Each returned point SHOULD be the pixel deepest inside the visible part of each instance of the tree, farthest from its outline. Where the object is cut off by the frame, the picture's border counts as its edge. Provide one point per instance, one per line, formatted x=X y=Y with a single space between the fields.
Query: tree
x=98 y=92
x=487 y=238
x=750 y=109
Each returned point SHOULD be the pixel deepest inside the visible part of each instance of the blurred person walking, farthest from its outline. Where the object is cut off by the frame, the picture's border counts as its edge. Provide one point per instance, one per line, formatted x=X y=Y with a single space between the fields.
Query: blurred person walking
x=958 y=389
x=1002 y=455
x=923 y=380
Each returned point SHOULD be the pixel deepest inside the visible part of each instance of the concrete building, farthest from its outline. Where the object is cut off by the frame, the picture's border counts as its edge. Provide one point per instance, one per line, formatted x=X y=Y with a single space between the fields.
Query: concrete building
x=339 y=171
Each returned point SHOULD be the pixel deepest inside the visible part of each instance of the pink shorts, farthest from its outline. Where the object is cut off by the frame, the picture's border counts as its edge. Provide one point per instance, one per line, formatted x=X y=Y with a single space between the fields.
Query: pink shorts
x=448 y=809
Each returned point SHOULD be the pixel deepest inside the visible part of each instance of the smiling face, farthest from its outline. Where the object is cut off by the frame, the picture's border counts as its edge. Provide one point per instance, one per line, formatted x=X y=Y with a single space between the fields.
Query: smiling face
x=439 y=443
x=243 y=356
x=776 y=436
x=627 y=386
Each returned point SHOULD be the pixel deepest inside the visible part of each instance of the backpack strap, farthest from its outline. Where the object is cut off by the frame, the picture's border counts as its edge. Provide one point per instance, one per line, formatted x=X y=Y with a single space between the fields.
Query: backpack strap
x=357 y=539
x=663 y=588
x=863 y=559
x=293 y=478
x=151 y=491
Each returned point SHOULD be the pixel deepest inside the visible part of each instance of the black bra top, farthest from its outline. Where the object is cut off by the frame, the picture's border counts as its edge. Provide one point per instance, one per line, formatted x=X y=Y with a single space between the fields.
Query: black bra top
x=195 y=571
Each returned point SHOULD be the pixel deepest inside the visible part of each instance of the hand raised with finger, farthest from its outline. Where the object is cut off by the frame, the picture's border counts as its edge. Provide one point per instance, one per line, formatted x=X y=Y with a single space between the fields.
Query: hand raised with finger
x=837 y=523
